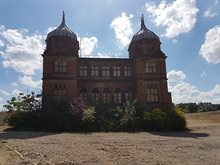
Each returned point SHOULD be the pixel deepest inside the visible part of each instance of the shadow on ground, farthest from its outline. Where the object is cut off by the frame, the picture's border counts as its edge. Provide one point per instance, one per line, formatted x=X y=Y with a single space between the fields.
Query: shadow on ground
x=22 y=135
x=182 y=134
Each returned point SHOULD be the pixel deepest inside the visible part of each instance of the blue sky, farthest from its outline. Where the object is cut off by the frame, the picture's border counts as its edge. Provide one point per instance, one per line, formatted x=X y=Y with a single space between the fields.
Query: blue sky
x=189 y=31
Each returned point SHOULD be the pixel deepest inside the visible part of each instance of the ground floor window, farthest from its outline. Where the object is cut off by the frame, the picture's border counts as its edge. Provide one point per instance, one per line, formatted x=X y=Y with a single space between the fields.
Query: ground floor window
x=84 y=94
x=59 y=92
x=117 y=96
x=152 y=92
x=106 y=95
x=95 y=96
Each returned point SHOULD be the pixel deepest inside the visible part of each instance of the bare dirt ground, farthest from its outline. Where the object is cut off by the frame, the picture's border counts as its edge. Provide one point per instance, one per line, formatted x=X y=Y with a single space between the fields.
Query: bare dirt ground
x=200 y=146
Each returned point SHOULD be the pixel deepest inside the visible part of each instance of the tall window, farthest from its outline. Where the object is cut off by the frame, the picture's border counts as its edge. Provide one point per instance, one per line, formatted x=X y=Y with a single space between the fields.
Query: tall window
x=83 y=71
x=117 y=96
x=84 y=94
x=105 y=71
x=116 y=71
x=59 y=92
x=127 y=71
x=60 y=66
x=151 y=67
x=152 y=92
x=94 y=71
x=95 y=96
x=106 y=96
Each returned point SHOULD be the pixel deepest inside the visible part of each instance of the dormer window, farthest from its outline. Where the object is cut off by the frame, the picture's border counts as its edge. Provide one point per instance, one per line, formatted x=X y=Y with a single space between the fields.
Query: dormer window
x=60 y=66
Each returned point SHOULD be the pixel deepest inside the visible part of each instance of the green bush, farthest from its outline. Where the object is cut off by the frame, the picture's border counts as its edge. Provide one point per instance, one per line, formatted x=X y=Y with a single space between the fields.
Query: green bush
x=161 y=120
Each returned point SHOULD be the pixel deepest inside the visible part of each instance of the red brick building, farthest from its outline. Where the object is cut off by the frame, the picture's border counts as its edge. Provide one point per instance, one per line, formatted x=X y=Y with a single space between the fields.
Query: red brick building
x=105 y=80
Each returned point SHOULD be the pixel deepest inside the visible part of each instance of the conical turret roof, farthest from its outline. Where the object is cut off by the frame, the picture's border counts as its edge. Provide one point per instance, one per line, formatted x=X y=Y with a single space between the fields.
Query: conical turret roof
x=144 y=33
x=62 y=31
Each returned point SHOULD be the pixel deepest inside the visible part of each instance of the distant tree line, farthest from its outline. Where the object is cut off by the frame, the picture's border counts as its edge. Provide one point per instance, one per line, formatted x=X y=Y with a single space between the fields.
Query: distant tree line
x=197 y=107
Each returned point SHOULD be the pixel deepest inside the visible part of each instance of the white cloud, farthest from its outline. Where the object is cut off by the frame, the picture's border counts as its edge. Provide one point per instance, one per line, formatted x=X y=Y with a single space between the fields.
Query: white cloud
x=216 y=2
x=4 y=93
x=184 y=92
x=16 y=92
x=209 y=14
x=174 y=40
x=1 y=43
x=14 y=84
x=210 y=49
x=27 y=80
x=177 y=17
x=50 y=29
x=23 y=51
x=88 y=44
x=174 y=75
x=123 y=30
x=203 y=74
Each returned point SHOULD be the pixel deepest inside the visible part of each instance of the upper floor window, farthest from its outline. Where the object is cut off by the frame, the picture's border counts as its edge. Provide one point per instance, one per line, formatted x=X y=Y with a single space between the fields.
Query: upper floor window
x=152 y=92
x=150 y=67
x=83 y=70
x=116 y=71
x=105 y=71
x=60 y=66
x=59 y=92
x=94 y=71
x=127 y=71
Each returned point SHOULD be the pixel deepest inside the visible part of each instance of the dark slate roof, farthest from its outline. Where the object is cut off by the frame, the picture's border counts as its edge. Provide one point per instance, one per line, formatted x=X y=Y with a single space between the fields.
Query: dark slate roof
x=144 y=33
x=62 y=31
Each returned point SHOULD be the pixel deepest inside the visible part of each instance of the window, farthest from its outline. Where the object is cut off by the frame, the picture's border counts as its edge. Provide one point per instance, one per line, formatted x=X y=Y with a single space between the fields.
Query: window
x=106 y=96
x=117 y=96
x=152 y=93
x=151 y=67
x=84 y=94
x=83 y=70
x=95 y=96
x=60 y=66
x=105 y=71
x=59 y=92
x=127 y=71
x=116 y=71
x=94 y=71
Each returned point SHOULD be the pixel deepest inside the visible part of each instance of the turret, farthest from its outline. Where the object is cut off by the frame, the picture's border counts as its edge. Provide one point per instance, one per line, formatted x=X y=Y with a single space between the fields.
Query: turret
x=149 y=67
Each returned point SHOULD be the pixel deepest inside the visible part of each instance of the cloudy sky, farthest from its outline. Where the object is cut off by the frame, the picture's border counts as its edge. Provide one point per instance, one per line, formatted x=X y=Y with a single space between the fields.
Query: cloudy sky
x=189 y=31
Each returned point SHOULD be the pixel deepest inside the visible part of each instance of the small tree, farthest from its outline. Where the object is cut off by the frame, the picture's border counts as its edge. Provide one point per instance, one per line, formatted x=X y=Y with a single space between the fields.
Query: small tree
x=22 y=102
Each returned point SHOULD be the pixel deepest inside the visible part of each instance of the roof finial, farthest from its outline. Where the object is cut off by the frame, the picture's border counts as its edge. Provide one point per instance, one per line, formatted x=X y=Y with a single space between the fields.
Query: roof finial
x=142 y=21
x=63 y=20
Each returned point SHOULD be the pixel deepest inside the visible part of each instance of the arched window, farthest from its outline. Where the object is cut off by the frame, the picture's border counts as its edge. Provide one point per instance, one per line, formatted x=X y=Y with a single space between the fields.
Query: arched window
x=60 y=66
x=106 y=95
x=84 y=94
x=59 y=92
x=95 y=96
x=117 y=96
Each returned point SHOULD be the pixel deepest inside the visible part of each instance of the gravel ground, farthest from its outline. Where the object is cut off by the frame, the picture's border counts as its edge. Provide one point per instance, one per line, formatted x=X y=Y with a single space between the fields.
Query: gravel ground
x=200 y=146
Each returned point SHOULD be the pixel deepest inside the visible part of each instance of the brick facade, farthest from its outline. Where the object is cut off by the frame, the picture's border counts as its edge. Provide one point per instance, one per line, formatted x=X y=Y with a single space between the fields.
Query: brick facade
x=105 y=80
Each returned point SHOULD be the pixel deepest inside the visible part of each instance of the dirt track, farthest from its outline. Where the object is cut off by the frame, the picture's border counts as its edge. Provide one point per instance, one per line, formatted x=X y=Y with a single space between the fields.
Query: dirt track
x=200 y=146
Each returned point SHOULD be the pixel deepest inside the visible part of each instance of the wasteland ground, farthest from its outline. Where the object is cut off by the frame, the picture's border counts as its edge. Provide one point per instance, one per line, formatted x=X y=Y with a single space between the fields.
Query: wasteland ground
x=200 y=145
